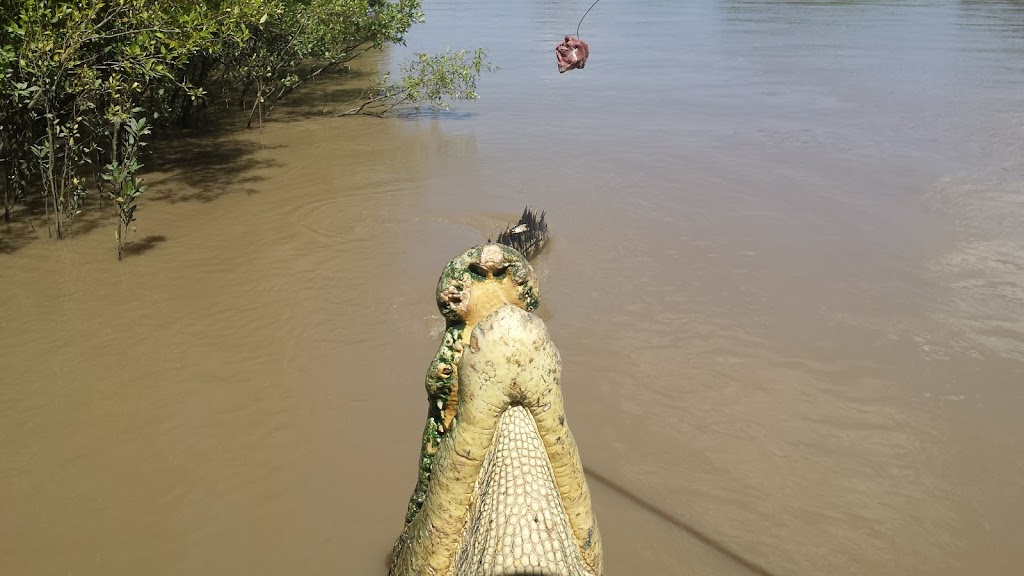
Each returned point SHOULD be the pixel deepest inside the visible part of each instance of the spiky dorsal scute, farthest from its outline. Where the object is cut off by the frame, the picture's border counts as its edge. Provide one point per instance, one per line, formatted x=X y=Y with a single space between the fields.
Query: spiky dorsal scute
x=528 y=236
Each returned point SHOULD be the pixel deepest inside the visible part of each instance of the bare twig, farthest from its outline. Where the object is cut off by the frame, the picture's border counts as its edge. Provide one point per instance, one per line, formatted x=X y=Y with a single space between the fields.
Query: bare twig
x=388 y=95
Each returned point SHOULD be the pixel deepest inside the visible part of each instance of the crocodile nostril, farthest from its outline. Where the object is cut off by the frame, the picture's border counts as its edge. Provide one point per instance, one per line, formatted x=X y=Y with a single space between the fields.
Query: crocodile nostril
x=478 y=269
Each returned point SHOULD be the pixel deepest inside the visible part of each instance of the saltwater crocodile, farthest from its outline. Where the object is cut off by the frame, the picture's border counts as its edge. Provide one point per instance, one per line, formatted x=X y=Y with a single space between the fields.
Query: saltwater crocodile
x=501 y=488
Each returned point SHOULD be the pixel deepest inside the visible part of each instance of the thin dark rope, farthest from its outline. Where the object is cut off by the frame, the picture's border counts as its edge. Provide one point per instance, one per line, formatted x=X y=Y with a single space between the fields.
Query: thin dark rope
x=584 y=16
x=681 y=525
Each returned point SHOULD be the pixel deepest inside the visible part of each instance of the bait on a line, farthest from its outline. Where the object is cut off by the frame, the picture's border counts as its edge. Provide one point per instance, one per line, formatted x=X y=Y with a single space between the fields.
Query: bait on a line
x=572 y=53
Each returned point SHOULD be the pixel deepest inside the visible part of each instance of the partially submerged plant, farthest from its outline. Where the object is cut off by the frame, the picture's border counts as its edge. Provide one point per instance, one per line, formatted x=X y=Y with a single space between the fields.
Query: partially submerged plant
x=433 y=80
x=125 y=186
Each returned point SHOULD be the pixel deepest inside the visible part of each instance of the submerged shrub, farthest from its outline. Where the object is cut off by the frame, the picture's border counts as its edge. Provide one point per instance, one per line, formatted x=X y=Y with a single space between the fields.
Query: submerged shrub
x=84 y=82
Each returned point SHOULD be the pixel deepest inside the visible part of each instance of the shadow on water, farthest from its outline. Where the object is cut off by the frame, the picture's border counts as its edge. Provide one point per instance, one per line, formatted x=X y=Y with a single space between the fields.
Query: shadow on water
x=328 y=95
x=205 y=167
x=95 y=214
x=336 y=96
x=201 y=164
x=336 y=92
x=29 y=224
x=137 y=247
x=317 y=102
x=16 y=235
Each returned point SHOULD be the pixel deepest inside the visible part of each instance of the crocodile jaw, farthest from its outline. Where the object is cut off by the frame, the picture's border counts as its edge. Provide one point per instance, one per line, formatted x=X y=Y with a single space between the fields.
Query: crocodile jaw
x=517 y=521
x=507 y=493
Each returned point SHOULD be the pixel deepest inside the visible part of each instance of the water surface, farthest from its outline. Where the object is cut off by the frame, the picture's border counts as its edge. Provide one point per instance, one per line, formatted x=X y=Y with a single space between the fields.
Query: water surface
x=787 y=283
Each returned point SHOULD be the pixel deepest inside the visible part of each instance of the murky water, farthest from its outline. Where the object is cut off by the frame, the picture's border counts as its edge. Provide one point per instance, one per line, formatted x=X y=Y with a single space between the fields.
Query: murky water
x=787 y=282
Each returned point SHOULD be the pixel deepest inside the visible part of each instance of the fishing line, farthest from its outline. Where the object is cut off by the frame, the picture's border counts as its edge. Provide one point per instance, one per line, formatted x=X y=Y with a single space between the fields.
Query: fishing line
x=679 y=524
x=572 y=53
x=584 y=16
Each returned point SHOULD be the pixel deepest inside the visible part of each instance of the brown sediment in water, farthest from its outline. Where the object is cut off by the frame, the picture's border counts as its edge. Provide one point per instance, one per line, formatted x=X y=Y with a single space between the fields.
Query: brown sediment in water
x=785 y=303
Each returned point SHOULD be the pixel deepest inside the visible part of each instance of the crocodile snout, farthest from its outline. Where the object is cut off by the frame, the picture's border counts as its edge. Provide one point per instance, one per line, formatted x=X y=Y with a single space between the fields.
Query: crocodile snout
x=492 y=262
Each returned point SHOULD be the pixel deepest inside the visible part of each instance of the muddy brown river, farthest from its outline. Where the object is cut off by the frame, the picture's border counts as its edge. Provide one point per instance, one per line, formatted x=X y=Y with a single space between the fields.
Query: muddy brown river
x=786 y=280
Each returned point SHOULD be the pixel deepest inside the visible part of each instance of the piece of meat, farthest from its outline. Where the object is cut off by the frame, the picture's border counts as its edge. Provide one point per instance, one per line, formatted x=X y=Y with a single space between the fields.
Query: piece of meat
x=571 y=53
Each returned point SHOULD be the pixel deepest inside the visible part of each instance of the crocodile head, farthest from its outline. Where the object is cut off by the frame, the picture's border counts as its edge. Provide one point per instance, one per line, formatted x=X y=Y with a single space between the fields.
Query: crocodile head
x=501 y=488
x=474 y=284
x=482 y=278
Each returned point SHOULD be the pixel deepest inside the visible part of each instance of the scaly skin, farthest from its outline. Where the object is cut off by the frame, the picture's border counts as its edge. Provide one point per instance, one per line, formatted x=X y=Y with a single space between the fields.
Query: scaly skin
x=501 y=488
x=472 y=285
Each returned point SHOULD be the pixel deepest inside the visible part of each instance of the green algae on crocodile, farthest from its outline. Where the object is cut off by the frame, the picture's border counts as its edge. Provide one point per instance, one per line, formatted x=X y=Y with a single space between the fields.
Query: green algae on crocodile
x=471 y=286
